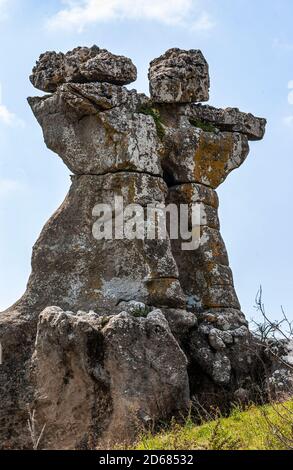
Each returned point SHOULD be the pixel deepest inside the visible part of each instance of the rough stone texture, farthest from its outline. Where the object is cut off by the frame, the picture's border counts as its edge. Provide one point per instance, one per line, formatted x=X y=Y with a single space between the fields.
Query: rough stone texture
x=230 y=119
x=97 y=129
x=98 y=374
x=179 y=76
x=181 y=322
x=105 y=377
x=193 y=155
x=17 y=335
x=279 y=356
x=70 y=266
x=204 y=273
x=82 y=65
x=72 y=388
x=148 y=371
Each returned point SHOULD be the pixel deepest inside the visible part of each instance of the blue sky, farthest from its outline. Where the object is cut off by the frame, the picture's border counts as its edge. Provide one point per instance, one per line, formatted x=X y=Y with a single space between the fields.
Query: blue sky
x=249 y=46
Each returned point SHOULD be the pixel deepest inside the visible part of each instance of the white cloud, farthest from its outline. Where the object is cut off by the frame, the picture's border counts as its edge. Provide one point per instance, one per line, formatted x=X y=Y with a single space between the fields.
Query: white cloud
x=6 y=116
x=203 y=23
x=77 y=14
x=288 y=121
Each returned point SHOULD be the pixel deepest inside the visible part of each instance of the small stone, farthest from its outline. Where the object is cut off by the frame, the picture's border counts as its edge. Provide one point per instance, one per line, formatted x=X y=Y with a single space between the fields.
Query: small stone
x=82 y=65
x=215 y=341
x=179 y=76
x=221 y=369
x=180 y=321
x=241 y=332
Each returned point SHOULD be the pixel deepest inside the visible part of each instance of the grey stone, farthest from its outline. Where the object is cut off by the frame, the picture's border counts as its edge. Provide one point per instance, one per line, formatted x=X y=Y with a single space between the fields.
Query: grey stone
x=195 y=156
x=208 y=281
x=215 y=341
x=96 y=382
x=179 y=76
x=224 y=319
x=91 y=141
x=70 y=266
x=180 y=321
x=221 y=369
x=229 y=119
x=216 y=364
x=82 y=65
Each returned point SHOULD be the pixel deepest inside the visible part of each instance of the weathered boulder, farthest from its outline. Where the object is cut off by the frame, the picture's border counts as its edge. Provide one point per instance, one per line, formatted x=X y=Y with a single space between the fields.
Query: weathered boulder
x=278 y=357
x=17 y=336
x=196 y=156
x=222 y=347
x=148 y=371
x=215 y=364
x=179 y=76
x=105 y=378
x=72 y=397
x=70 y=265
x=229 y=119
x=99 y=129
x=82 y=65
x=181 y=322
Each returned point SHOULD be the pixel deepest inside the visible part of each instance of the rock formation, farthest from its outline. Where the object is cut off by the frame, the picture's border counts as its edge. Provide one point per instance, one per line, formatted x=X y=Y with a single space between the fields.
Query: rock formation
x=179 y=77
x=115 y=334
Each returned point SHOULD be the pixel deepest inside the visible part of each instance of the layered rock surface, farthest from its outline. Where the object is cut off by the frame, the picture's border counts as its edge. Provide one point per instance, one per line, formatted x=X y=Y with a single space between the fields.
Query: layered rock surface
x=179 y=77
x=82 y=65
x=196 y=156
x=140 y=325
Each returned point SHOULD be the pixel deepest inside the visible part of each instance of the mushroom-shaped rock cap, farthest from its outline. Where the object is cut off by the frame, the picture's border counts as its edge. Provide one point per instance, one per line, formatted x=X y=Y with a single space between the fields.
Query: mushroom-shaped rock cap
x=179 y=76
x=82 y=65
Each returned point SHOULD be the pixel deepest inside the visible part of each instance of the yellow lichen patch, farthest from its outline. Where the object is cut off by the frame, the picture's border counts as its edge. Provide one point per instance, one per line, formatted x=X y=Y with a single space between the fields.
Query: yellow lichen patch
x=193 y=193
x=211 y=158
x=213 y=246
x=110 y=131
x=95 y=283
x=162 y=289
x=132 y=190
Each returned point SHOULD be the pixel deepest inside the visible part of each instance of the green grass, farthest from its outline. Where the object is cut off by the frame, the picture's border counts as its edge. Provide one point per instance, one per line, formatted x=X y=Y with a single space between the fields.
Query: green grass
x=155 y=114
x=139 y=312
x=204 y=125
x=269 y=427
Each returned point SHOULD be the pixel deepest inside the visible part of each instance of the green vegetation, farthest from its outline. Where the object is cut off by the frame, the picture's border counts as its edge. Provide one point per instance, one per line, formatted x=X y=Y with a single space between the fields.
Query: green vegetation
x=204 y=125
x=155 y=114
x=138 y=312
x=269 y=427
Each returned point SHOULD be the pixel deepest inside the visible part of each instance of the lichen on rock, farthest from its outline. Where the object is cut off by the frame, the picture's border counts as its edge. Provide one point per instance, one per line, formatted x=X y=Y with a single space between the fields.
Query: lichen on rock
x=82 y=65
x=179 y=76
x=139 y=326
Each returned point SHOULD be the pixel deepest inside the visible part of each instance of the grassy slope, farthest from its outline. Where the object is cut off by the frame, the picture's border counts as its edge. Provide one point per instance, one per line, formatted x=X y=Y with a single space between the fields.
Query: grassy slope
x=257 y=428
